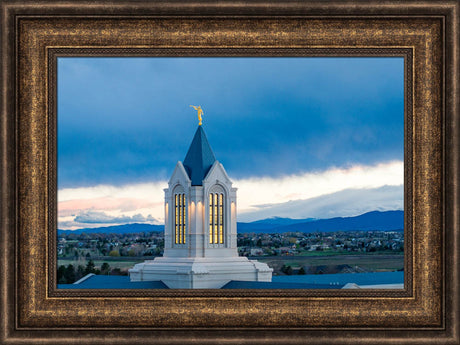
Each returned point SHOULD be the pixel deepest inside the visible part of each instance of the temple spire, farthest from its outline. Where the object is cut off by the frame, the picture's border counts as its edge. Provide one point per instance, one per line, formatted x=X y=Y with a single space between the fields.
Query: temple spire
x=199 y=158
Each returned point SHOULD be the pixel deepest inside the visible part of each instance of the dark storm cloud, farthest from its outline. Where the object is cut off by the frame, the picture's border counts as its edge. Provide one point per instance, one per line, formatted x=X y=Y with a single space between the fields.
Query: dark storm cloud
x=126 y=120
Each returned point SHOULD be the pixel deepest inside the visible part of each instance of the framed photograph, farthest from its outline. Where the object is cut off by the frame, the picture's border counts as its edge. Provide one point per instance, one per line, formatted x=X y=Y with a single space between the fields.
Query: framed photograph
x=270 y=124
x=404 y=56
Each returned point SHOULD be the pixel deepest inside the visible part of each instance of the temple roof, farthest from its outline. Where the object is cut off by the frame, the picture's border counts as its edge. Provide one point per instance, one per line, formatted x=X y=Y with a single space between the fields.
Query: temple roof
x=92 y=281
x=199 y=158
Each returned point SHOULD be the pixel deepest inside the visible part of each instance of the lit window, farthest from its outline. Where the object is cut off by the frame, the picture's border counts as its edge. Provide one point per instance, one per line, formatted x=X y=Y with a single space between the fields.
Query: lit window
x=211 y=217
x=179 y=218
x=216 y=218
x=221 y=217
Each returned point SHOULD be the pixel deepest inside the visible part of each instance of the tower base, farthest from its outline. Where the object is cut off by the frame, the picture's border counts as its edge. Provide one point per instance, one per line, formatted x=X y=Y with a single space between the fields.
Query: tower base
x=200 y=273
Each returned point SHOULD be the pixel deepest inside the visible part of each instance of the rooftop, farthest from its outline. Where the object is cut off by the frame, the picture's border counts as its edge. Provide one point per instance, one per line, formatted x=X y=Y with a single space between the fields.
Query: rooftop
x=92 y=281
x=376 y=280
x=199 y=158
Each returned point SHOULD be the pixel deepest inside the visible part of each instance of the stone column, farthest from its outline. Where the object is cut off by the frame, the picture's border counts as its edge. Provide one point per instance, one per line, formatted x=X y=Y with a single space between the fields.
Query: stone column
x=196 y=225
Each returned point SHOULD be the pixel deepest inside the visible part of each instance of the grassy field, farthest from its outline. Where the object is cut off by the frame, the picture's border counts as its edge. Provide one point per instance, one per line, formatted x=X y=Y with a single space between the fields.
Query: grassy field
x=345 y=253
x=367 y=262
x=372 y=262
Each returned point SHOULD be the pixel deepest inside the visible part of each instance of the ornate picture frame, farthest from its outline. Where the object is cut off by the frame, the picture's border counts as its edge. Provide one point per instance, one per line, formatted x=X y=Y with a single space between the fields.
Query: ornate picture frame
x=35 y=34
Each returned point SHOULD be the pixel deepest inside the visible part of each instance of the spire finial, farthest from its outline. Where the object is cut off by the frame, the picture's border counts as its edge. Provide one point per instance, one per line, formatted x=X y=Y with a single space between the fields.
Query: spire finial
x=200 y=112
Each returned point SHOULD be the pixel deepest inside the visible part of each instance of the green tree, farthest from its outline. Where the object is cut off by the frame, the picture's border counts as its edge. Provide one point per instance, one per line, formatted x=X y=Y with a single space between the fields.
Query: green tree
x=302 y=271
x=61 y=275
x=69 y=274
x=114 y=253
x=105 y=268
x=90 y=267
x=80 y=272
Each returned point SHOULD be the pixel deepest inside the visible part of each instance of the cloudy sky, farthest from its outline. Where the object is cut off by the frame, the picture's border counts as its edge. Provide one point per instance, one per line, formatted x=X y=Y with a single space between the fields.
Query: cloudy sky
x=299 y=137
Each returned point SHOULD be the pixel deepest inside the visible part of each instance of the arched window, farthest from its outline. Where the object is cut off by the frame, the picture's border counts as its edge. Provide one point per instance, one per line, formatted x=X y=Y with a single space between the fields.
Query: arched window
x=180 y=216
x=216 y=215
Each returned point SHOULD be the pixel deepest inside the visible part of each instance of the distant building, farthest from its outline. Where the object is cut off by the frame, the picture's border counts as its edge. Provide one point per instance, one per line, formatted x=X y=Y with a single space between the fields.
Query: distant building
x=200 y=228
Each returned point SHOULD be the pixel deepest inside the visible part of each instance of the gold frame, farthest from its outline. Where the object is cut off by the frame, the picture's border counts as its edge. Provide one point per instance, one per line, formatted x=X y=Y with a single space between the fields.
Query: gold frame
x=33 y=35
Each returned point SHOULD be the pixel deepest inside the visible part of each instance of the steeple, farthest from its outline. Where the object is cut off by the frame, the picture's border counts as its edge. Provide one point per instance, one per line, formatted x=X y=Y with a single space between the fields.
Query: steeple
x=200 y=242
x=199 y=158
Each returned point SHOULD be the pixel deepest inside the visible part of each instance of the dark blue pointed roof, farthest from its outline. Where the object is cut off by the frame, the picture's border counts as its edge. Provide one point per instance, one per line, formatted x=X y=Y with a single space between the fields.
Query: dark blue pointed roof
x=199 y=158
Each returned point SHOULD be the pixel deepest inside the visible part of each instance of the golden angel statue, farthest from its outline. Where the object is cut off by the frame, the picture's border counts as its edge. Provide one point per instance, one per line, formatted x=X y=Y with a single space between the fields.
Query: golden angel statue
x=200 y=112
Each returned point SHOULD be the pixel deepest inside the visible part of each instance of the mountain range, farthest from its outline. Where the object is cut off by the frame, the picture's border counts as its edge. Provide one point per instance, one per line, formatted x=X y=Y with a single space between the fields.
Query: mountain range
x=375 y=220
x=116 y=229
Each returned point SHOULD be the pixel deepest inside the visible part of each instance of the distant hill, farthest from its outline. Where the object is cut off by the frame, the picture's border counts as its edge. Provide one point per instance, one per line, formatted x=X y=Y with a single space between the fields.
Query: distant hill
x=264 y=225
x=375 y=220
x=282 y=221
x=116 y=229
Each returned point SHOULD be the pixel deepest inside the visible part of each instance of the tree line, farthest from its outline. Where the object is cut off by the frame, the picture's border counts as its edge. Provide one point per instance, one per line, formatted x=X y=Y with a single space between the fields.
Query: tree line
x=70 y=274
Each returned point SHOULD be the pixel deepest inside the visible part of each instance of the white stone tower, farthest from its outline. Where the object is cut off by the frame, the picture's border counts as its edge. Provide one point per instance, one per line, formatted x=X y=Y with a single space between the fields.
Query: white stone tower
x=200 y=228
